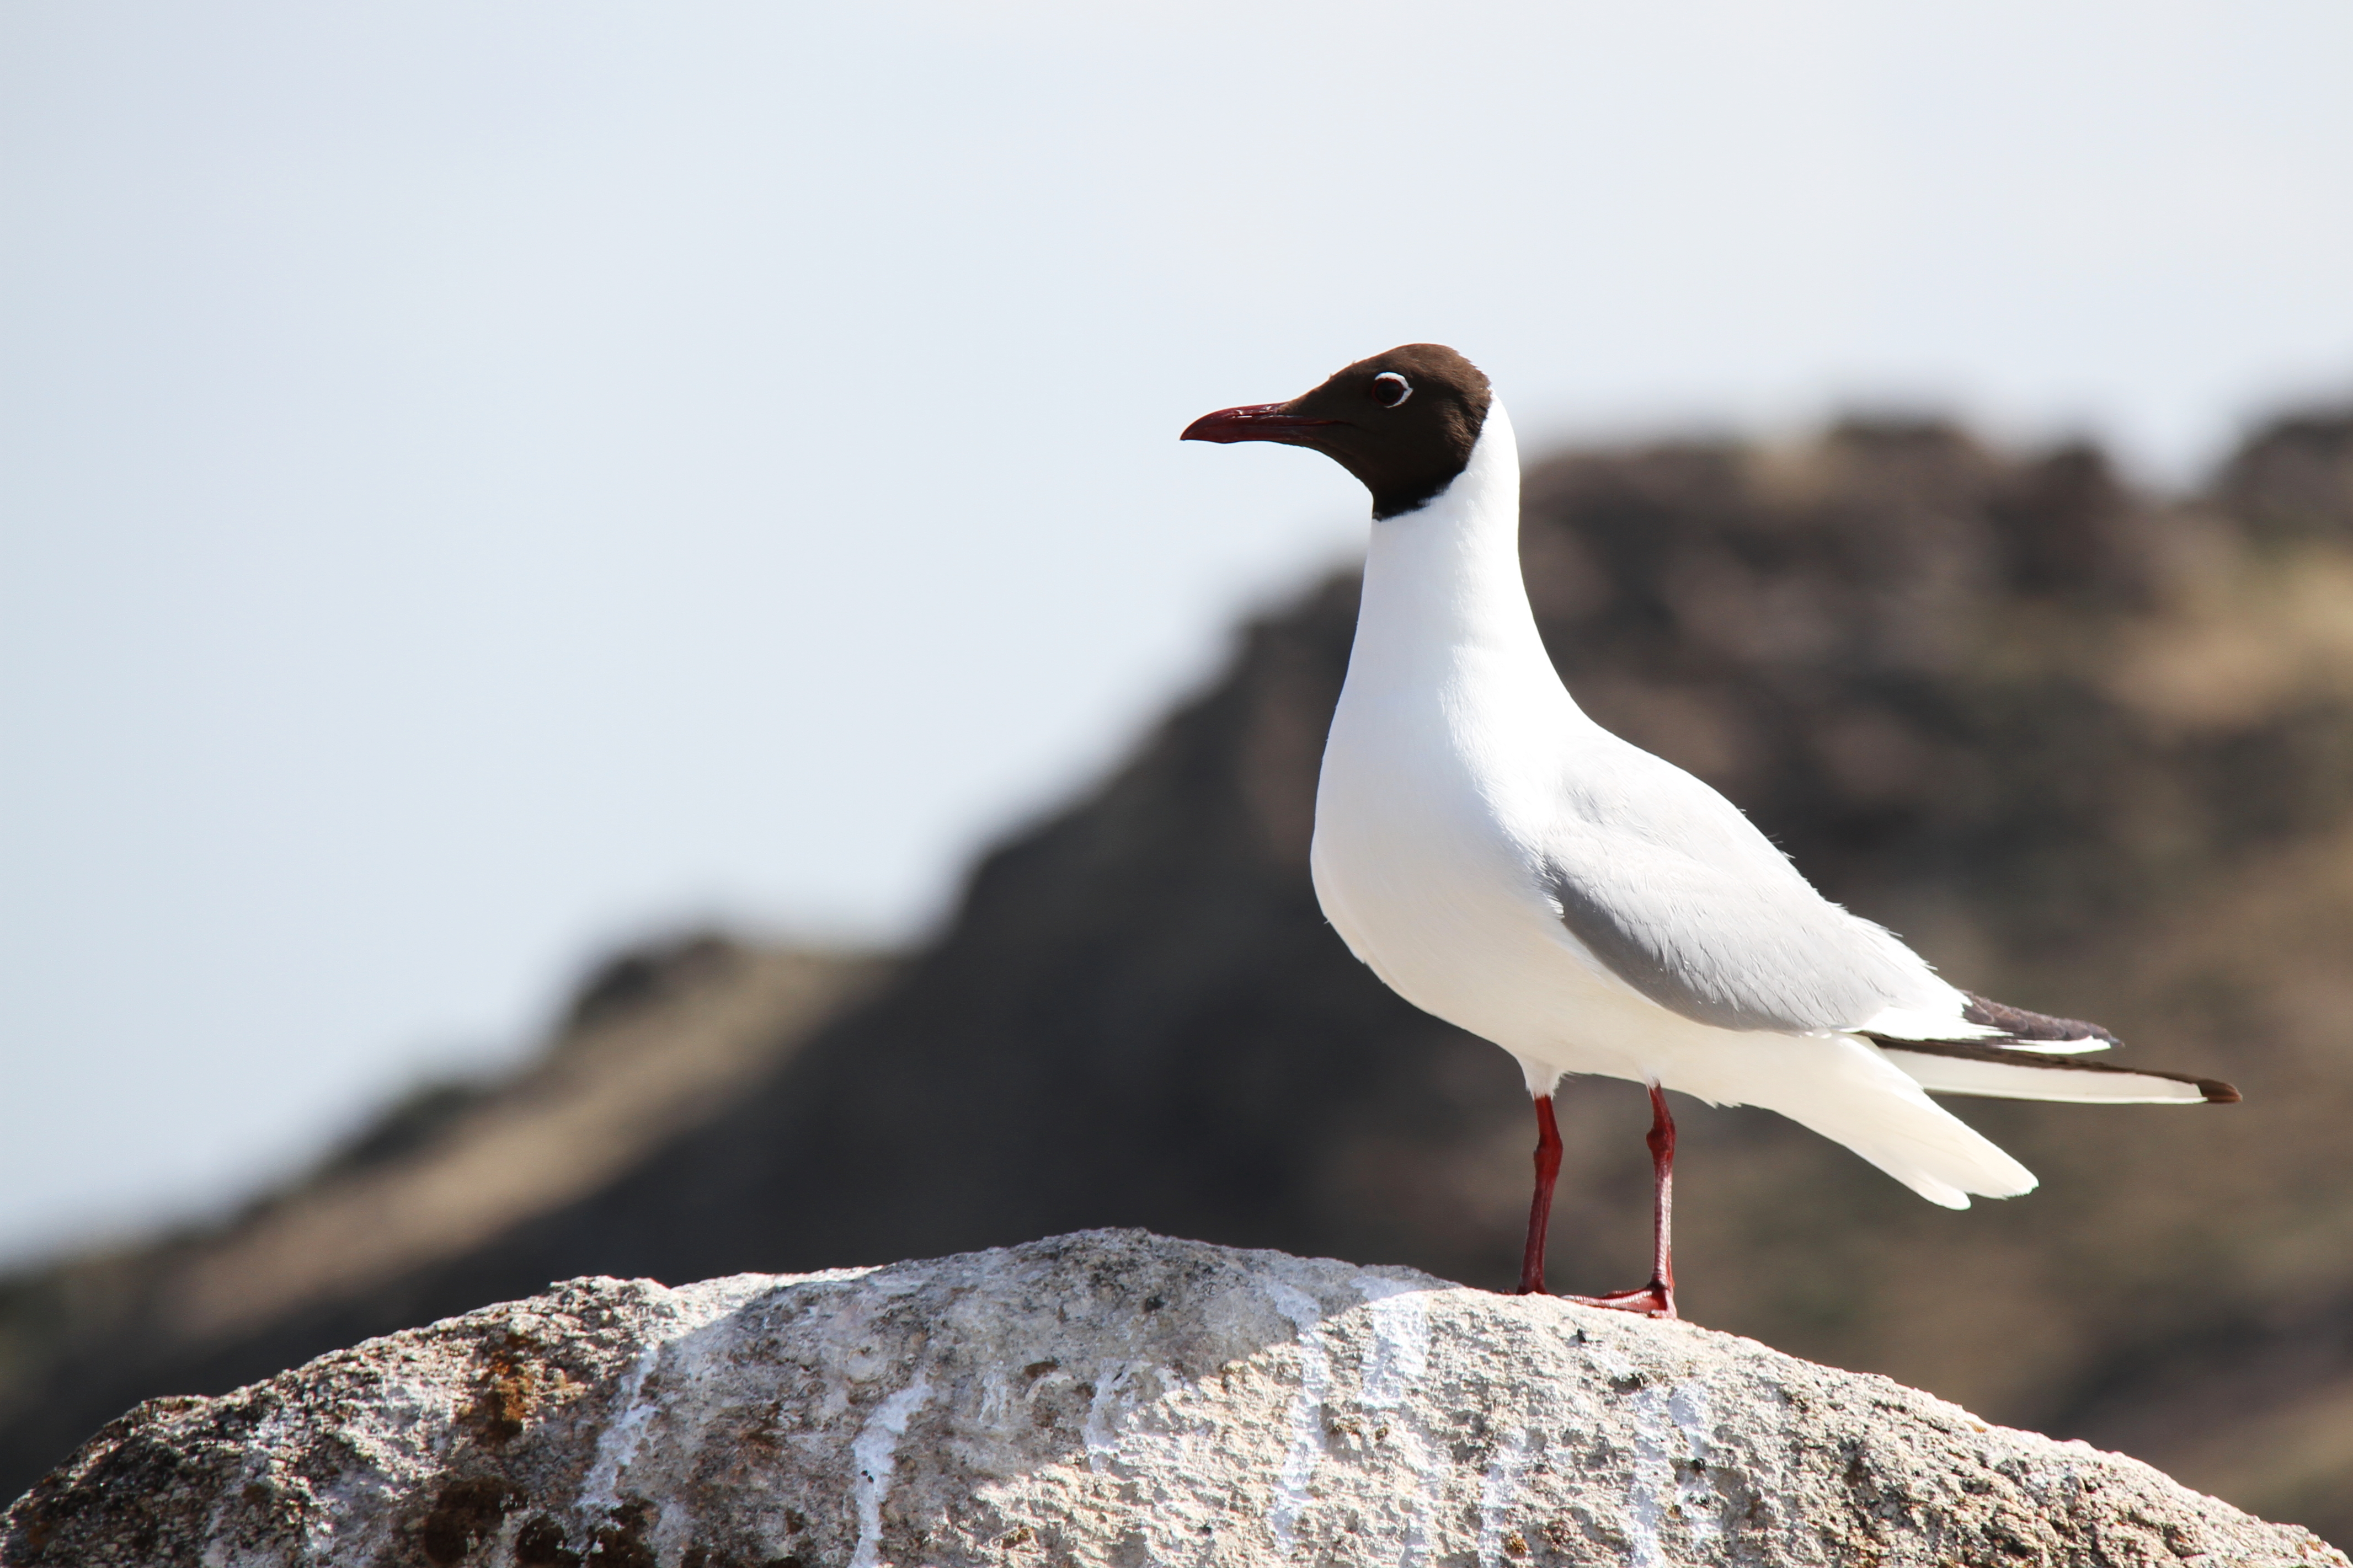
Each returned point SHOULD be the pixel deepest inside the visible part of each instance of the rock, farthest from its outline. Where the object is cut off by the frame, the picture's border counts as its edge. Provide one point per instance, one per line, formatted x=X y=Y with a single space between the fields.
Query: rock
x=1109 y=1397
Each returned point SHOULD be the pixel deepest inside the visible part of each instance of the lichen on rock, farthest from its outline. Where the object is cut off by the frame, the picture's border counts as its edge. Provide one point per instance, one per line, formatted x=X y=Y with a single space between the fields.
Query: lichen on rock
x=1110 y=1397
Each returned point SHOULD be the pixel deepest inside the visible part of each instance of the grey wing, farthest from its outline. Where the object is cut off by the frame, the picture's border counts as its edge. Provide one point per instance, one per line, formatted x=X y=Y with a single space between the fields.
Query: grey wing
x=1671 y=888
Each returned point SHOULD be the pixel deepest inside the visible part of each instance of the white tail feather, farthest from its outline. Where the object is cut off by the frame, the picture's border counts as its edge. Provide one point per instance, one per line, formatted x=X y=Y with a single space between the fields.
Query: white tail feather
x=1845 y=1089
x=2058 y=1080
x=1928 y=1148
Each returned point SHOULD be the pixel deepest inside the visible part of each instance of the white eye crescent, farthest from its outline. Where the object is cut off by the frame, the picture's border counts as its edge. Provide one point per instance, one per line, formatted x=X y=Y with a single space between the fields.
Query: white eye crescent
x=1390 y=389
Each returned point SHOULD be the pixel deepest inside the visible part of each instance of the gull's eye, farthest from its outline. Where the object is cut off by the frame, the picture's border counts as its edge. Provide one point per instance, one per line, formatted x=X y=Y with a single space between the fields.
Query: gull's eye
x=1389 y=389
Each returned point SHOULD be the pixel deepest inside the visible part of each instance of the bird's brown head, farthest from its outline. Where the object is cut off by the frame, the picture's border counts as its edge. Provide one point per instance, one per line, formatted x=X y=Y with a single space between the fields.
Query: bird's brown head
x=1403 y=422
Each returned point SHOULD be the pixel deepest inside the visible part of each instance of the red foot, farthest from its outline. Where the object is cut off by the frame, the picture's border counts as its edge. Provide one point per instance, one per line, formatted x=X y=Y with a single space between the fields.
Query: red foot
x=1653 y=1300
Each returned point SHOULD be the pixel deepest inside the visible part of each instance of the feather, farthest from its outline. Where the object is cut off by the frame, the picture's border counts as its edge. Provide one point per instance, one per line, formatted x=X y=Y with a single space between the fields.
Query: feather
x=1839 y=1086
x=2009 y=1072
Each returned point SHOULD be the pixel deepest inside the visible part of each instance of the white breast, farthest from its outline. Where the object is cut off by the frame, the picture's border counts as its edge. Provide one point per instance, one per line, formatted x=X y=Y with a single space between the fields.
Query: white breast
x=1422 y=870
x=1438 y=781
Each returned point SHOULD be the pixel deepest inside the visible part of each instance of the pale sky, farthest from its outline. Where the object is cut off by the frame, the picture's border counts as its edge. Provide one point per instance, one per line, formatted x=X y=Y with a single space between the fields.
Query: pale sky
x=480 y=481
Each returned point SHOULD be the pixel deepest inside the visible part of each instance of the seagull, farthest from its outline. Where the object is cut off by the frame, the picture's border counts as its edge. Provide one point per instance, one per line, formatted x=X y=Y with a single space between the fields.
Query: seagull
x=1501 y=860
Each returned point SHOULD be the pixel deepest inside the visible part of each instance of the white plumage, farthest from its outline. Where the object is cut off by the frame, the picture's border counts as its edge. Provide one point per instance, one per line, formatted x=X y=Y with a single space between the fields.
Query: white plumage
x=1462 y=783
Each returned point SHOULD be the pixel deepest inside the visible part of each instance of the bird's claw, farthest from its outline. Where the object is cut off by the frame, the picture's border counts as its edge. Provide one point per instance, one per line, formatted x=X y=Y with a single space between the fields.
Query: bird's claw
x=1653 y=1300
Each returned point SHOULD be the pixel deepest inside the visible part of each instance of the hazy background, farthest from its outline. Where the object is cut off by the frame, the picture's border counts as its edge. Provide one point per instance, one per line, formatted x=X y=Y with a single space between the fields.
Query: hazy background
x=479 y=481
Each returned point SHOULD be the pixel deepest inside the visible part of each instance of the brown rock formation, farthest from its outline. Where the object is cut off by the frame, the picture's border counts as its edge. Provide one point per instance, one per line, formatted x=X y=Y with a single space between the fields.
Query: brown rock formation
x=2090 y=753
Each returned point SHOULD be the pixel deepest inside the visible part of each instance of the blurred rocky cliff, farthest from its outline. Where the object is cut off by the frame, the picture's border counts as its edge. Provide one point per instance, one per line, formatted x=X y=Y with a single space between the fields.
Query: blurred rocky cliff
x=2089 y=750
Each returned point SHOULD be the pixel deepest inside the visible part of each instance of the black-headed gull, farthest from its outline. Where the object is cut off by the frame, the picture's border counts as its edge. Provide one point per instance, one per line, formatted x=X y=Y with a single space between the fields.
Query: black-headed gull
x=1504 y=862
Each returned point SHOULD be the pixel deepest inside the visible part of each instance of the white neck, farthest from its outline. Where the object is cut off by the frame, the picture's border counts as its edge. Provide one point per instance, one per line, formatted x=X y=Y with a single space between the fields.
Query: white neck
x=1444 y=579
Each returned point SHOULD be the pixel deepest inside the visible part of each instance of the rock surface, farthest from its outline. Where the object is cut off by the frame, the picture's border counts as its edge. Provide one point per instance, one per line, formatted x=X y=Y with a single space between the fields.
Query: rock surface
x=1109 y=1397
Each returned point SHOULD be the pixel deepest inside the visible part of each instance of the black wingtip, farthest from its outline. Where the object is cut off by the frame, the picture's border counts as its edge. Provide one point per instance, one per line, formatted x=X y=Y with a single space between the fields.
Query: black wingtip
x=2018 y=1023
x=2217 y=1092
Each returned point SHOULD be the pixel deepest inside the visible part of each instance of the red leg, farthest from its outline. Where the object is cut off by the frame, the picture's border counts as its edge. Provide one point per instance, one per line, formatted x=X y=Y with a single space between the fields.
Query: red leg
x=1661 y=1141
x=1656 y=1299
x=1540 y=1207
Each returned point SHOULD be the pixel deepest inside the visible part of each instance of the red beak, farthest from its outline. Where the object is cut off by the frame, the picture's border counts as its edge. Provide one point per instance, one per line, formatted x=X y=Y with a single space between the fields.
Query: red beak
x=1257 y=422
